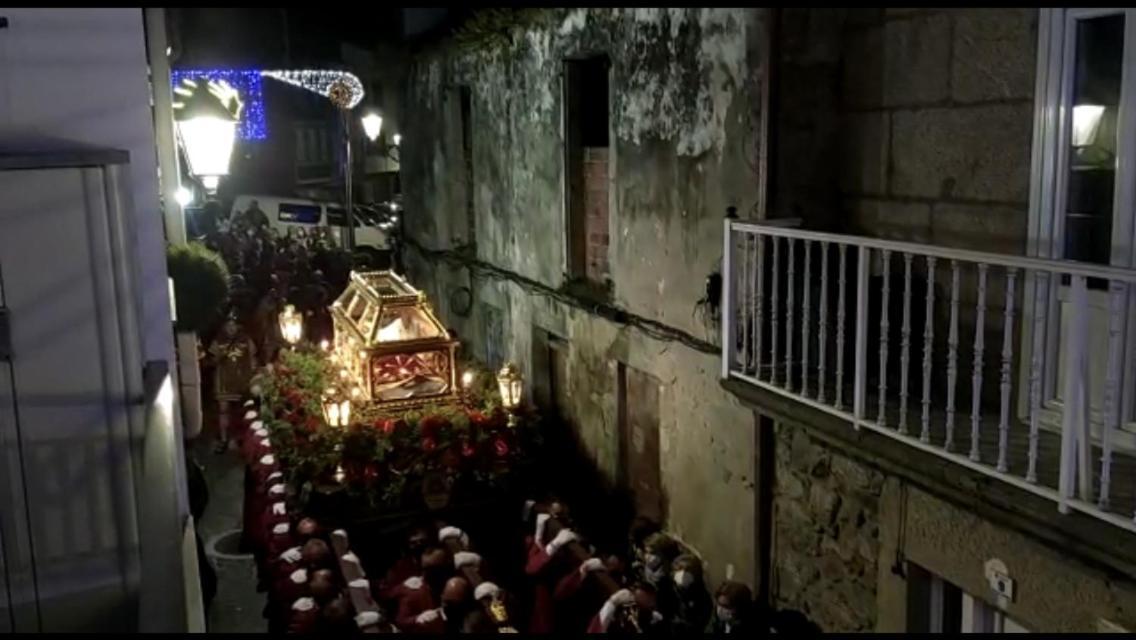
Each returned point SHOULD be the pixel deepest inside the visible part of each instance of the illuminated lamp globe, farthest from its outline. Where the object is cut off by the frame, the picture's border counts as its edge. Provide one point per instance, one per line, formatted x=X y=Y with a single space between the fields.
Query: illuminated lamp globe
x=372 y=125
x=184 y=196
x=205 y=118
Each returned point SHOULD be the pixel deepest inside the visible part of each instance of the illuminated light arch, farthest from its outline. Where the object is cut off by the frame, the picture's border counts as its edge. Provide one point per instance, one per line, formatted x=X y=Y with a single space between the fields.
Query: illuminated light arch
x=249 y=85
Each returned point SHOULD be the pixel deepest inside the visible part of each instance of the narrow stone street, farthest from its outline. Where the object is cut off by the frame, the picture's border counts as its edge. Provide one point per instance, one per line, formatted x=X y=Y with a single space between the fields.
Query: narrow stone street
x=237 y=607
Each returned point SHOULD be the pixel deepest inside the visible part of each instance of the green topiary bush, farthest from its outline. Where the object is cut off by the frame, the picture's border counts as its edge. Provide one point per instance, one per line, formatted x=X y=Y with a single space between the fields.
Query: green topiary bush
x=201 y=286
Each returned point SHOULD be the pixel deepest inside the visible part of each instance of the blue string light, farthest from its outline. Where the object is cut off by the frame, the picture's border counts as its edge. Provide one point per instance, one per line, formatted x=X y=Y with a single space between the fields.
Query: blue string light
x=247 y=82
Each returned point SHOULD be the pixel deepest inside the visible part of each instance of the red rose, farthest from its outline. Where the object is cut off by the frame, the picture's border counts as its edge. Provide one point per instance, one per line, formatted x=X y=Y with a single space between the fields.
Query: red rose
x=428 y=444
x=468 y=450
x=501 y=447
x=386 y=426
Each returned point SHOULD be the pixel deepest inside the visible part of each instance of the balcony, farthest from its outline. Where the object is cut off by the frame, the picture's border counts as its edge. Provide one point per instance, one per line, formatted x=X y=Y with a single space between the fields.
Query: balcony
x=1014 y=368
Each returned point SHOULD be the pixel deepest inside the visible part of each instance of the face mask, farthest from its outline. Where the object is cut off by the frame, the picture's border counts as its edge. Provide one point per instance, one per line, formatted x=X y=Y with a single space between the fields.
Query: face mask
x=683 y=578
x=724 y=614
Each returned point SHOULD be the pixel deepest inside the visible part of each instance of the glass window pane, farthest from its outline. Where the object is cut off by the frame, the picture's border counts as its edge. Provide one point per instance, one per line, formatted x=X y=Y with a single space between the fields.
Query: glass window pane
x=1098 y=64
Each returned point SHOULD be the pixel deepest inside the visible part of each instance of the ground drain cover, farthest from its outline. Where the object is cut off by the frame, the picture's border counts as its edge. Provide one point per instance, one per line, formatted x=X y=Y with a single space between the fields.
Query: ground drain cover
x=227 y=546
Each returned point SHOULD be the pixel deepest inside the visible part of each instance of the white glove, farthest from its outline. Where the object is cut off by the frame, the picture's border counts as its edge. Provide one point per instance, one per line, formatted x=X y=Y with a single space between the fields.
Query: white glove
x=486 y=590
x=299 y=576
x=276 y=490
x=413 y=582
x=280 y=529
x=274 y=475
x=249 y=403
x=292 y=555
x=564 y=537
x=541 y=521
x=258 y=426
x=367 y=618
x=266 y=443
x=359 y=583
x=428 y=615
x=267 y=460
x=466 y=558
x=303 y=604
x=617 y=599
x=351 y=557
x=278 y=509
x=449 y=532
x=591 y=565
x=527 y=509
x=250 y=416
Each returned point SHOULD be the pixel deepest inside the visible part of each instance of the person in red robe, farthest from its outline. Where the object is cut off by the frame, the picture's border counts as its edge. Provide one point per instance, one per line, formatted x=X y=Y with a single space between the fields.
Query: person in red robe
x=421 y=594
x=547 y=567
x=579 y=595
x=409 y=564
x=629 y=611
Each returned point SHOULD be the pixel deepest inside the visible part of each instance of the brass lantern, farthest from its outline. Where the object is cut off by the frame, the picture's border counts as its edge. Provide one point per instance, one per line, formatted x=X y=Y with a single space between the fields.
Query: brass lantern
x=510 y=384
x=291 y=325
x=336 y=409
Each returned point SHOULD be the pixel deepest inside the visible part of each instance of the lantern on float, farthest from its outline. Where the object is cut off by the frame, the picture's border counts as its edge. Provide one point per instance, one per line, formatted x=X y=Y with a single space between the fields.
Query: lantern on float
x=336 y=409
x=510 y=384
x=291 y=325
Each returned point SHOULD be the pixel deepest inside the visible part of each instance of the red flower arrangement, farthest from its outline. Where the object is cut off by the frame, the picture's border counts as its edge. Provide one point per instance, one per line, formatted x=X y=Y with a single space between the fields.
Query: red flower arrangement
x=428 y=444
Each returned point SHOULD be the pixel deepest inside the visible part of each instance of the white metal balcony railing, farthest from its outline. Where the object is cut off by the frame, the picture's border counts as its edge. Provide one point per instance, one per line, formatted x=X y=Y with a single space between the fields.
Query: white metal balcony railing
x=812 y=316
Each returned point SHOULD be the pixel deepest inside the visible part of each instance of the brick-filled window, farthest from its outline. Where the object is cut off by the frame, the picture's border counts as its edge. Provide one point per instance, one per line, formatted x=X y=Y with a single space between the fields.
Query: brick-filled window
x=587 y=167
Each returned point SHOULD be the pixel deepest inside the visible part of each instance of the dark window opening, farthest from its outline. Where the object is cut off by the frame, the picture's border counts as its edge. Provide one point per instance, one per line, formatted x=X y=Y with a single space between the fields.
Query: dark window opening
x=299 y=213
x=587 y=104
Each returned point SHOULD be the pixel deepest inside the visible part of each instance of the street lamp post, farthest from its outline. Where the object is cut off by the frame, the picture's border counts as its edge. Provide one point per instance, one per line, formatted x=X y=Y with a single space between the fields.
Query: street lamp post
x=206 y=116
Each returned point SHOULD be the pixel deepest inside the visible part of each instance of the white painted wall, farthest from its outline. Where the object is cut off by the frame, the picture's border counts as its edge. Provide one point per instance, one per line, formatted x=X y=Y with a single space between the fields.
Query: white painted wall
x=80 y=74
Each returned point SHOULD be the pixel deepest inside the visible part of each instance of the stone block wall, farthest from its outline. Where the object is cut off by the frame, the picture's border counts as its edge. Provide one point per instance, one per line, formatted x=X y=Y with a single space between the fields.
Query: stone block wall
x=936 y=125
x=826 y=540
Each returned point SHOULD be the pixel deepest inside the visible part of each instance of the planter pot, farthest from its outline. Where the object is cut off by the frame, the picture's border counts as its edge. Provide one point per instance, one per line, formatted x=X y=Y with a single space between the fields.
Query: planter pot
x=189 y=378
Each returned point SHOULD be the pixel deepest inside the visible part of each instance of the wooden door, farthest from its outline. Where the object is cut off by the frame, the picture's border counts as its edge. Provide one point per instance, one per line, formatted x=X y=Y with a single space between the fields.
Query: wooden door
x=639 y=441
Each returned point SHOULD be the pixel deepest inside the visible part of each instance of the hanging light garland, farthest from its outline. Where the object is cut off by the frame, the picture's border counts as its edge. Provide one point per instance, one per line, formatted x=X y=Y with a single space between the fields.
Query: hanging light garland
x=341 y=87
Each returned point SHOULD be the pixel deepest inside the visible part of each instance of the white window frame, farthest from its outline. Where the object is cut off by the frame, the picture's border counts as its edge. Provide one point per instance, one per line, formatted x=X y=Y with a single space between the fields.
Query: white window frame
x=1048 y=191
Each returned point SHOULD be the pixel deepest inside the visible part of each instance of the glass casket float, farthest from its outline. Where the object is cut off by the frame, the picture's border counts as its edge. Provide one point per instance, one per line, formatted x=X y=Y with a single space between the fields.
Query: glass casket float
x=389 y=340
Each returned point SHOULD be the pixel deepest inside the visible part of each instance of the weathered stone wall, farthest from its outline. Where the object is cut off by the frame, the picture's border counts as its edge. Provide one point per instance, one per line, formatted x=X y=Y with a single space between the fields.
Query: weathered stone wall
x=1053 y=592
x=913 y=124
x=826 y=533
x=907 y=124
x=683 y=144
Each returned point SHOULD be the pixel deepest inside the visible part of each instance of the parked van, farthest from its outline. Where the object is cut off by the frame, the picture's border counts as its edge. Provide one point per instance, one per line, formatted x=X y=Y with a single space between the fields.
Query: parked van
x=297 y=213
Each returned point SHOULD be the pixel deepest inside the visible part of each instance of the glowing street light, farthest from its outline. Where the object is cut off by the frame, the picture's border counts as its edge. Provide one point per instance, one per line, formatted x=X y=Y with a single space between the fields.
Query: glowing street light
x=372 y=125
x=206 y=116
x=184 y=196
